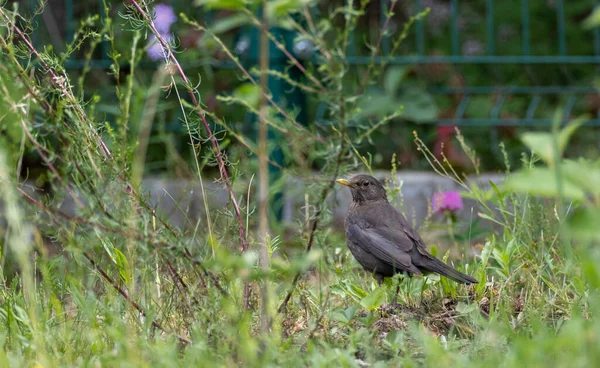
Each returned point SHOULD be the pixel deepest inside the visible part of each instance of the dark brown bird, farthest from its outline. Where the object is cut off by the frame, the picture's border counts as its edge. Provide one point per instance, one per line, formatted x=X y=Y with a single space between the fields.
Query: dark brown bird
x=382 y=240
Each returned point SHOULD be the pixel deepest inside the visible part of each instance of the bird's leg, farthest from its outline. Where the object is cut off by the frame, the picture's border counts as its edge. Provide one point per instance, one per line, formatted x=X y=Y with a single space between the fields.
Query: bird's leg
x=379 y=279
x=395 y=300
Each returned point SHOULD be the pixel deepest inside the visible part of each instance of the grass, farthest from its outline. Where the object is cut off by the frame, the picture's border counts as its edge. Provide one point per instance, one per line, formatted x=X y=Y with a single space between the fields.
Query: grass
x=124 y=287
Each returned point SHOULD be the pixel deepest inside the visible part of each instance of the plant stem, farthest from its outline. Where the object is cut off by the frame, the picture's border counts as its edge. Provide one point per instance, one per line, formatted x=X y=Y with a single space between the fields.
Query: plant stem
x=214 y=141
x=59 y=81
x=317 y=218
x=125 y=295
x=263 y=168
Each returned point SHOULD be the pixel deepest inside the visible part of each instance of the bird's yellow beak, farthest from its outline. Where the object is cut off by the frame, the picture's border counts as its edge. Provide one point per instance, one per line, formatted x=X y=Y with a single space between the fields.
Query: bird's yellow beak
x=344 y=182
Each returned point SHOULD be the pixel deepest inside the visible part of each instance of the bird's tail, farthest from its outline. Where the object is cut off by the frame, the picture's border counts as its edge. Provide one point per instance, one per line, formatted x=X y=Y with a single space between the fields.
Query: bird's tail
x=435 y=265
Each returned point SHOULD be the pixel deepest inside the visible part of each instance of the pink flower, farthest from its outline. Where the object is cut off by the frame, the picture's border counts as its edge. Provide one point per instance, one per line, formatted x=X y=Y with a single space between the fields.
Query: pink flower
x=447 y=201
x=164 y=16
x=155 y=51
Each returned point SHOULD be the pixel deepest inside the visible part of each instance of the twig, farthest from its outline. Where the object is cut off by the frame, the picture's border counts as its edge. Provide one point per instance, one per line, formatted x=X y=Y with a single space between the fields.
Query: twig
x=180 y=284
x=125 y=295
x=287 y=53
x=213 y=139
x=57 y=80
x=102 y=272
x=252 y=80
x=49 y=164
x=82 y=220
x=316 y=221
x=325 y=192
x=263 y=168
x=48 y=108
x=363 y=82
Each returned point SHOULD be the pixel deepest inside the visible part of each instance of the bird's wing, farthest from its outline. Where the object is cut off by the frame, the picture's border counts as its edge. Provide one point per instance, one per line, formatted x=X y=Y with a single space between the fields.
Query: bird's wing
x=391 y=248
x=397 y=224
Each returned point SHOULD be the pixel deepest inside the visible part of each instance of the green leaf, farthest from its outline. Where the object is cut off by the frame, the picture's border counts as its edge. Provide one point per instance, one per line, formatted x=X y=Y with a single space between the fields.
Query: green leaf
x=432 y=278
x=229 y=23
x=338 y=290
x=375 y=299
x=486 y=252
x=583 y=223
x=358 y=291
x=350 y=312
x=542 y=181
x=280 y=9
x=496 y=190
x=394 y=75
x=584 y=174
x=591 y=272
x=376 y=103
x=9 y=119
x=347 y=315
x=566 y=132
x=419 y=105
x=248 y=92
x=4 y=359
x=110 y=250
x=479 y=193
x=488 y=217
x=433 y=250
x=221 y=4
x=542 y=143
x=479 y=106
x=340 y=317
x=122 y=265
x=593 y=20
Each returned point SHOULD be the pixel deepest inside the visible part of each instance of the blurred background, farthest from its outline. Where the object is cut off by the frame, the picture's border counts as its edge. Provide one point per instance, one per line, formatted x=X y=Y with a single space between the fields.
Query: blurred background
x=492 y=68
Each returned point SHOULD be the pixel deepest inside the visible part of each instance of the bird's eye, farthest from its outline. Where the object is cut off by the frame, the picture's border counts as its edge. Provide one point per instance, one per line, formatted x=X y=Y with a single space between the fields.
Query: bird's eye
x=365 y=183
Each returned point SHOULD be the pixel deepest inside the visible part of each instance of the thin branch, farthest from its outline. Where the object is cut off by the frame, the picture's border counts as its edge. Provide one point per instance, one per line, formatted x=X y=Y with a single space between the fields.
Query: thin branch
x=327 y=189
x=365 y=78
x=286 y=52
x=58 y=81
x=49 y=164
x=213 y=139
x=316 y=221
x=180 y=284
x=104 y=274
x=84 y=221
x=263 y=168
x=125 y=295
x=252 y=80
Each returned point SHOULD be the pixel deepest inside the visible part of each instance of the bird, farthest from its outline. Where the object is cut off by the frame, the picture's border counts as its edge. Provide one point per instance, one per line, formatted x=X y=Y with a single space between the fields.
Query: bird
x=382 y=240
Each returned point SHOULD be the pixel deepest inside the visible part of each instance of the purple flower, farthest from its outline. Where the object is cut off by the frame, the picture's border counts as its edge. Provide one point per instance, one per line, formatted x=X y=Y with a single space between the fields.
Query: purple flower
x=155 y=51
x=164 y=16
x=447 y=201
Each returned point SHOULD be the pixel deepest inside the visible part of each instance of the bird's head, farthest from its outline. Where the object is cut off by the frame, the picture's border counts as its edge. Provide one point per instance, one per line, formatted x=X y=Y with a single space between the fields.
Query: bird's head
x=365 y=189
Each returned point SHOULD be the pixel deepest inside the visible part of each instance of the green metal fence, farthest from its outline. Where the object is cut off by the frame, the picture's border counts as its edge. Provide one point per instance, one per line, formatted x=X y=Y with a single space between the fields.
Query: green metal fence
x=491 y=55
x=523 y=64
